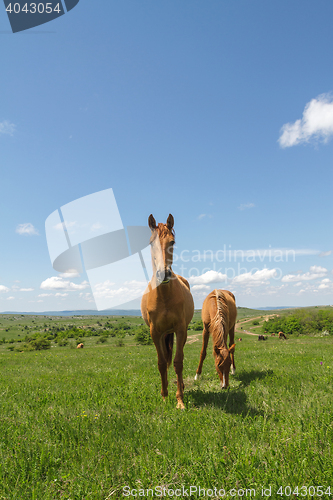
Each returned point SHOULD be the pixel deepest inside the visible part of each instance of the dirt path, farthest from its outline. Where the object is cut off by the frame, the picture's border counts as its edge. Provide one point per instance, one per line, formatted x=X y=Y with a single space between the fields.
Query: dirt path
x=247 y=333
x=241 y=321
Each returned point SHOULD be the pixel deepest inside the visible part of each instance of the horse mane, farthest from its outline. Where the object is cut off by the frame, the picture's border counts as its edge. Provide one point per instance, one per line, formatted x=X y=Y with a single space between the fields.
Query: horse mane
x=163 y=231
x=220 y=320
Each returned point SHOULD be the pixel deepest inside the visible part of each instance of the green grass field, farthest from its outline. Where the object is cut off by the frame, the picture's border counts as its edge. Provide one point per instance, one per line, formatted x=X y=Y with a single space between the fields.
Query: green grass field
x=83 y=424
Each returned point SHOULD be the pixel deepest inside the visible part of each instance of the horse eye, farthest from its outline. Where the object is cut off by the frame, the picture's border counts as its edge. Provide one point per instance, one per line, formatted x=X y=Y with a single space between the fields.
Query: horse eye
x=172 y=242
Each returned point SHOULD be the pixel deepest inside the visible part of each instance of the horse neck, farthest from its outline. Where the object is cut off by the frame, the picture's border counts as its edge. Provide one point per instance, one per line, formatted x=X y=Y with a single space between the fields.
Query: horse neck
x=219 y=332
x=163 y=289
x=220 y=320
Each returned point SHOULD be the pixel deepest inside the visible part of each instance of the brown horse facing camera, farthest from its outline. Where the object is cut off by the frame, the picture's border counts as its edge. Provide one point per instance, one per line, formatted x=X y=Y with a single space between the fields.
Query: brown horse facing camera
x=219 y=316
x=167 y=305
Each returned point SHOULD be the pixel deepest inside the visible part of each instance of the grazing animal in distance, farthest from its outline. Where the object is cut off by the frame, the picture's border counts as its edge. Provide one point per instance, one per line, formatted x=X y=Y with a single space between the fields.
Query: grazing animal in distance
x=167 y=306
x=79 y=346
x=282 y=336
x=239 y=340
x=262 y=337
x=272 y=334
x=219 y=316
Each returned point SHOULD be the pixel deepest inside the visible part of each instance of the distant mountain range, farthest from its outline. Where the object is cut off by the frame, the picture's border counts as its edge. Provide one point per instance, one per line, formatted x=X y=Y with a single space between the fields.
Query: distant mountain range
x=92 y=312
x=113 y=312
x=275 y=308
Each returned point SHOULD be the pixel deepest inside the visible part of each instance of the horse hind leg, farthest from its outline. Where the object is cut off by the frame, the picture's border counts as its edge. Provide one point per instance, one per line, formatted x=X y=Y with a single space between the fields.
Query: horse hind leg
x=205 y=338
x=169 y=345
x=232 y=356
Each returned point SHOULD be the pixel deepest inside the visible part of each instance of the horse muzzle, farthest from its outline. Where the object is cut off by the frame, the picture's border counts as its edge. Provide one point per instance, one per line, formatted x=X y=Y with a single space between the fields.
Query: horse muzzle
x=163 y=277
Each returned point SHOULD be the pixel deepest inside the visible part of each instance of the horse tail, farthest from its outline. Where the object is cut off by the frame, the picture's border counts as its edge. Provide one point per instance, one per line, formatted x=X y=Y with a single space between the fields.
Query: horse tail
x=221 y=320
x=169 y=345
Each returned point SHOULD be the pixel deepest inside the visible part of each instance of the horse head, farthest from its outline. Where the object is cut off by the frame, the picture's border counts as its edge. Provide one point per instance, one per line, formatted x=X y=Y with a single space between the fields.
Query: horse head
x=223 y=363
x=161 y=242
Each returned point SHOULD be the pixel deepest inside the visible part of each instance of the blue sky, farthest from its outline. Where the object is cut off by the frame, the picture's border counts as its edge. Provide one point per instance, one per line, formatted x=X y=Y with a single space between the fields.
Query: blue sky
x=218 y=112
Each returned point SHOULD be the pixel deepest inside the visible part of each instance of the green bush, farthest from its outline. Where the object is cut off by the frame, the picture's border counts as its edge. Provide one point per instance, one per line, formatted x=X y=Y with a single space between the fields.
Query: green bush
x=63 y=342
x=40 y=343
x=101 y=340
x=142 y=335
x=302 y=321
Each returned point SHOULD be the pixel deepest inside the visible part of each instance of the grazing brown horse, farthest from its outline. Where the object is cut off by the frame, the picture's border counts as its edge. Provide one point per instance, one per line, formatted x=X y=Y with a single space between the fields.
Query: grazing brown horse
x=282 y=336
x=167 y=305
x=219 y=316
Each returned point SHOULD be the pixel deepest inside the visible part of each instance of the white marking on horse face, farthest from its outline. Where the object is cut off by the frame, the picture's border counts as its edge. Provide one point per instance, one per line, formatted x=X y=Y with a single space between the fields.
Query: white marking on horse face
x=197 y=376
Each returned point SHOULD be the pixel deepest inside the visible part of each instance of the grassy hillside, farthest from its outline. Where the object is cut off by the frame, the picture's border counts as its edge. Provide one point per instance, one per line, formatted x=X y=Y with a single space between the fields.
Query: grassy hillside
x=83 y=424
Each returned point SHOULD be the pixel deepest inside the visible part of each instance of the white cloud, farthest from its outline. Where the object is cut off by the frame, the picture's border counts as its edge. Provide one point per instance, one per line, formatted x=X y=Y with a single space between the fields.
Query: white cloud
x=96 y=226
x=259 y=277
x=325 y=283
x=208 y=277
x=317 y=123
x=61 y=294
x=4 y=289
x=45 y=295
x=246 y=206
x=199 y=288
x=7 y=128
x=57 y=283
x=26 y=290
x=70 y=273
x=65 y=225
x=128 y=291
x=325 y=254
x=314 y=273
x=10 y=298
x=27 y=229
x=202 y=216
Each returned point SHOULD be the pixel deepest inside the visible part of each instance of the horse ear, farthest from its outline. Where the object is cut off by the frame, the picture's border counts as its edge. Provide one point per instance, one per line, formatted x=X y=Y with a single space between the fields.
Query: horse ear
x=151 y=222
x=170 y=222
x=232 y=348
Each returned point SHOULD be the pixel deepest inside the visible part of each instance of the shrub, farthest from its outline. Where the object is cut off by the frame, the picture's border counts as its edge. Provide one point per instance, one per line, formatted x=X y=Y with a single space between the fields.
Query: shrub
x=142 y=336
x=101 y=340
x=198 y=326
x=255 y=322
x=40 y=344
x=25 y=347
x=63 y=342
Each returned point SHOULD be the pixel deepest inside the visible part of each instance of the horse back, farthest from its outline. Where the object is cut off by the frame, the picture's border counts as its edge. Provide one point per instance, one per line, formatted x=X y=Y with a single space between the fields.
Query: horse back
x=209 y=307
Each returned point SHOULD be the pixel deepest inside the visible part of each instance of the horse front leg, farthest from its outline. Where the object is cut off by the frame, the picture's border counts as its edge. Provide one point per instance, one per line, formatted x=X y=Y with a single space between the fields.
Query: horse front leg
x=178 y=365
x=205 y=338
x=161 y=360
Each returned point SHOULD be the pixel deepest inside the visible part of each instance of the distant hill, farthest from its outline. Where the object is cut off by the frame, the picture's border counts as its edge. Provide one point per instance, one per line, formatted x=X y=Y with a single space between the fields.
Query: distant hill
x=276 y=308
x=241 y=312
x=92 y=312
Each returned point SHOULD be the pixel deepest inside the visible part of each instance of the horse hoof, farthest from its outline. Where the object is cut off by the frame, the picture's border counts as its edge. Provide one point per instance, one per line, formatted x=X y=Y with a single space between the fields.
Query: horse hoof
x=197 y=376
x=233 y=371
x=180 y=405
